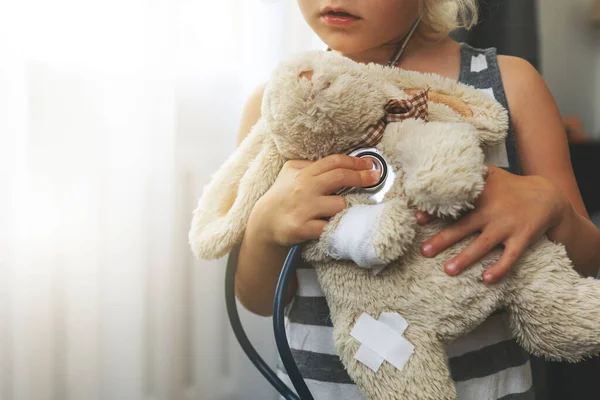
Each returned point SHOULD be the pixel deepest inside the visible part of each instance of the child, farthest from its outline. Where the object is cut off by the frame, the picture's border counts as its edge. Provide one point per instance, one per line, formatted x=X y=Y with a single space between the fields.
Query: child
x=513 y=211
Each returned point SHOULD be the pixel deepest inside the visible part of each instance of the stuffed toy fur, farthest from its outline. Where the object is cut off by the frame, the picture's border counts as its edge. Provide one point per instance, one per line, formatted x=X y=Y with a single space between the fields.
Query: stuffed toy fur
x=320 y=104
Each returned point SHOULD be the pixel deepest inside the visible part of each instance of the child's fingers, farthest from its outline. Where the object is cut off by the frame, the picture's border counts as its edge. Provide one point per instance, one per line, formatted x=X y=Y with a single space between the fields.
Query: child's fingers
x=514 y=249
x=333 y=181
x=328 y=206
x=338 y=161
x=477 y=249
x=313 y=229
x=424 y=218
x=462 y=228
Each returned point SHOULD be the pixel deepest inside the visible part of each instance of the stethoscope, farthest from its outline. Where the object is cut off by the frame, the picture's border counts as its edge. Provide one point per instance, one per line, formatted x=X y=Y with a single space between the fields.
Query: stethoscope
x=377 y=193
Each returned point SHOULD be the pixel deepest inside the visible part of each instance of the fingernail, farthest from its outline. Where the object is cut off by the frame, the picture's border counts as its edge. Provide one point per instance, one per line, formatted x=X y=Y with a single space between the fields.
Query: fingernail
x=452 y=268
x=375 y=175
x=427 y=249
x=488 y=277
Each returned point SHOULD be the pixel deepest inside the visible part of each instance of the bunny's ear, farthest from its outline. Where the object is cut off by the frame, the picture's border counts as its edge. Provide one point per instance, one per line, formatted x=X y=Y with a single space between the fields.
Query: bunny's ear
x=452 y=101
x=461 y=103
x=220 y=219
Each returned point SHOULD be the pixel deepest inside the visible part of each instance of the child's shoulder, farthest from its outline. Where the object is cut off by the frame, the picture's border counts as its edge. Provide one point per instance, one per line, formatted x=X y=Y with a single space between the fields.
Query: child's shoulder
x=516 y=67
x=522 y=82
x=529 y=100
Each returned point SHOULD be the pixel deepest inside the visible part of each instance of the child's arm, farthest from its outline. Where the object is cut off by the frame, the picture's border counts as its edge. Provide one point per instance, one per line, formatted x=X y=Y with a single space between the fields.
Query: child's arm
x=544 y=152
x=292 y=211
x=516 y=210
x=258 y=262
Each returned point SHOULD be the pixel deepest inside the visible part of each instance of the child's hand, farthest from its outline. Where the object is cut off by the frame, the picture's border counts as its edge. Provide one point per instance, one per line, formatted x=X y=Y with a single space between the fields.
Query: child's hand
x=513 y=211
x=294 y=209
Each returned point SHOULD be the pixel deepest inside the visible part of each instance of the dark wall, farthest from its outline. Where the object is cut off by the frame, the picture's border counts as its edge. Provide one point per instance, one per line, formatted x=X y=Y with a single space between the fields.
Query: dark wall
x=508 y=25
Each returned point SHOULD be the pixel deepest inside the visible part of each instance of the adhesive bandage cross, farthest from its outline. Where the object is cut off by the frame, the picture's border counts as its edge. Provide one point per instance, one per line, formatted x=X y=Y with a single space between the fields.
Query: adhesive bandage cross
x=381 y=340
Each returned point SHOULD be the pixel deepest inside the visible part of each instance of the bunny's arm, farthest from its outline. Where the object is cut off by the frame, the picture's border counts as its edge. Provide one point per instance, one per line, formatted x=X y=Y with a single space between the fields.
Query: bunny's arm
x=443 y=163
x=370 y=235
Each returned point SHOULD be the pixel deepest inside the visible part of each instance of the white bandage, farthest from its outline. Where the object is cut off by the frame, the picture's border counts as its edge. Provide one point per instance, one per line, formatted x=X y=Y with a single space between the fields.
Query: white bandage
x=382 y=340
x=352 y=238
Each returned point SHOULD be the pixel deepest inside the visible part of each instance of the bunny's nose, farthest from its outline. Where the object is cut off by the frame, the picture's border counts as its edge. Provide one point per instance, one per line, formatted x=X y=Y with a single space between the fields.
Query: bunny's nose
x=306 y=75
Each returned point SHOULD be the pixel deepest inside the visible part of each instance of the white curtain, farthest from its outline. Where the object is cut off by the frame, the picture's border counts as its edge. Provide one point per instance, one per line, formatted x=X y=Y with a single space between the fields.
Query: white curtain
x=113 y=115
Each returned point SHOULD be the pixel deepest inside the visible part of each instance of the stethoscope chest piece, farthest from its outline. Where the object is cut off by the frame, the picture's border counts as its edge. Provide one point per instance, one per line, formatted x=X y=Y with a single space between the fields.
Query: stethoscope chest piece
x=387 y=174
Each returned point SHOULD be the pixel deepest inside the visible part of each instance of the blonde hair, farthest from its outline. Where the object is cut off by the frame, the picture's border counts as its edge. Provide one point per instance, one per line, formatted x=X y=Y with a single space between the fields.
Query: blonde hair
x=444 y=16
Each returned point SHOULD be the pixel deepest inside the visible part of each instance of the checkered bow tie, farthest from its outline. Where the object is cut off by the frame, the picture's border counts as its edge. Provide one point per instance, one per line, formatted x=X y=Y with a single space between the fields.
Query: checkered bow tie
x=395 y=111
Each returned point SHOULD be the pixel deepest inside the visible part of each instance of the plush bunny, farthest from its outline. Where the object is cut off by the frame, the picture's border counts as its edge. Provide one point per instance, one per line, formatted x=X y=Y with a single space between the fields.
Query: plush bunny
x=320 y=104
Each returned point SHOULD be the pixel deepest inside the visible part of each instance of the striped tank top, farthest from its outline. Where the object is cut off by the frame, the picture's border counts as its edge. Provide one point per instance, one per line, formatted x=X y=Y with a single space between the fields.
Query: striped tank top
x=486 y=364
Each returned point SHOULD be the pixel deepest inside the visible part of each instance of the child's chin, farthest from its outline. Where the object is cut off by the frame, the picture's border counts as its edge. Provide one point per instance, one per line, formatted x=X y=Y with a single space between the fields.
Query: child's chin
x=344 y=43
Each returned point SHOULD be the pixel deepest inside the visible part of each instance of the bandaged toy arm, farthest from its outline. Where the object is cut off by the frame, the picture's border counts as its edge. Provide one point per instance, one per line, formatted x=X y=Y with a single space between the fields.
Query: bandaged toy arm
x=370 y=235
x=443 y=164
